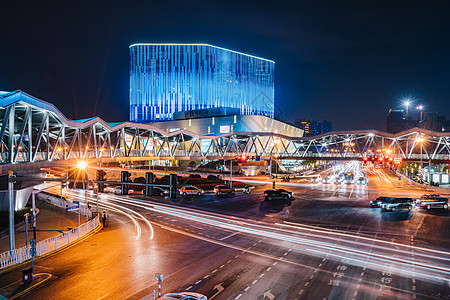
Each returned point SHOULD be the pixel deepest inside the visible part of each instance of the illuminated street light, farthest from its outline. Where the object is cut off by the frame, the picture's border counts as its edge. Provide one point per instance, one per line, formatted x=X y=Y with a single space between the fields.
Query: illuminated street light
x=420 y=108
x=407 y=103
x=82 y=165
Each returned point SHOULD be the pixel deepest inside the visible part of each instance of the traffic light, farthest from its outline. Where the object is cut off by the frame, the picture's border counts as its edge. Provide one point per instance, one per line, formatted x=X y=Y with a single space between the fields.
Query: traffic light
x=149 y=178
x=101 y=177
x=125 y=177
x=173 y=182
x=242 y=158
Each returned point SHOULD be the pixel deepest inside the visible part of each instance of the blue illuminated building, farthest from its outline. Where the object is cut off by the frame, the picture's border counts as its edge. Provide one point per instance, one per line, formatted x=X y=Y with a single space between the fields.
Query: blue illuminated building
x=169 y=78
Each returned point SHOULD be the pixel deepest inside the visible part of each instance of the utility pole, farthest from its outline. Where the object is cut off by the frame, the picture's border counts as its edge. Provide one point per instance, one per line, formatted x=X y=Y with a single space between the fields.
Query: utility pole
x=231 y=173
x=12 y=244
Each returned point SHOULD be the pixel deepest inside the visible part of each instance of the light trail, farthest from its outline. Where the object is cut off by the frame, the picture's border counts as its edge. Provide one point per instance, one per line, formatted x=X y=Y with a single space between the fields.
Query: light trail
x=285 y=235
x=122 y=210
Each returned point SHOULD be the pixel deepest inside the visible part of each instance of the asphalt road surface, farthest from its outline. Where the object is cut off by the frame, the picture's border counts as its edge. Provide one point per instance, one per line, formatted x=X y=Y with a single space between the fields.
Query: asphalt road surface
x=330 y=245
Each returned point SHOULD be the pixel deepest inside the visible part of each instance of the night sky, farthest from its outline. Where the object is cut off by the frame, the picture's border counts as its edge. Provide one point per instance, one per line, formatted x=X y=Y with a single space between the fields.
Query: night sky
x=344 y=61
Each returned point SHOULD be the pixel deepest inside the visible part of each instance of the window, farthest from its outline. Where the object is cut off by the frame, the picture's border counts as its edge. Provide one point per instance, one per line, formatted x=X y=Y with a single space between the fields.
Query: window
x=209 y=129
x=213 y=120
x=235 y=117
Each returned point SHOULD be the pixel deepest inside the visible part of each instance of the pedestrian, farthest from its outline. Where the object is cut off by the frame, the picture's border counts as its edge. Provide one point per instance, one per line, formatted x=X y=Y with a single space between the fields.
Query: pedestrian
x=104 y=218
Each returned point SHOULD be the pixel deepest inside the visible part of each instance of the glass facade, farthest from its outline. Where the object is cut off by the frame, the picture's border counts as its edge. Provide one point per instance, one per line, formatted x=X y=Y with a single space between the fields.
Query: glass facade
x=166 y=78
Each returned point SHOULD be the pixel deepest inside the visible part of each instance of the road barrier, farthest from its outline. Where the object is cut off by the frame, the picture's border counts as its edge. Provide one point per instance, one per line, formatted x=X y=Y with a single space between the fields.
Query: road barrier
x=20 y=255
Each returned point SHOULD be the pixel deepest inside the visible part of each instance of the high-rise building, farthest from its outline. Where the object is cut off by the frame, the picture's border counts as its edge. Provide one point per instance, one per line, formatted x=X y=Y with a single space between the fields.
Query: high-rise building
x=169 y=78
x=312 y=127
x=304 y=124
x=327 y=126
x=316 y=128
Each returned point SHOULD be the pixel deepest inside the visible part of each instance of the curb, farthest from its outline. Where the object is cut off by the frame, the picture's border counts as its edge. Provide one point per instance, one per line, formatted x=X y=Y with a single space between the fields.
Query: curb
x=9 y=269
x=26 y=291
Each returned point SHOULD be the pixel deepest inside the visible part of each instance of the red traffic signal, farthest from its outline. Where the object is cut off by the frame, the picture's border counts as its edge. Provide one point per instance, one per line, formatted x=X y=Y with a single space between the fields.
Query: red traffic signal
x=365 y=158
x=242 y=158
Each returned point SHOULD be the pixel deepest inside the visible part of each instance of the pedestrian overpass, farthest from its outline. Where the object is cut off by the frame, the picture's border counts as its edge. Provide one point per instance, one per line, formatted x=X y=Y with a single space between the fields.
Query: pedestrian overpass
x=33 y=130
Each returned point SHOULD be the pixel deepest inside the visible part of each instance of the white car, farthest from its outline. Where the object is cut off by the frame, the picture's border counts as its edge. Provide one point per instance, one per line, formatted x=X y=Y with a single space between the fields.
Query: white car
x=191 y=190
x=184 y=296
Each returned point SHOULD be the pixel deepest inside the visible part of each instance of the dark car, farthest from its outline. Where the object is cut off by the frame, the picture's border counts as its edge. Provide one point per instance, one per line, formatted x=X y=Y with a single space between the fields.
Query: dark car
x=157 y=191
x=433 y=202
x=379 y=201
x=396 y=204
x=223 y=189
x=277 y=194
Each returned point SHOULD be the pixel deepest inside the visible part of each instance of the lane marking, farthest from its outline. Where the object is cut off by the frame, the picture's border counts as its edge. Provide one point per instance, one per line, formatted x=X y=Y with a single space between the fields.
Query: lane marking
x=256 y=280
x=238 y=296
x=301 y=291
x=246 y=289
x=261 y=275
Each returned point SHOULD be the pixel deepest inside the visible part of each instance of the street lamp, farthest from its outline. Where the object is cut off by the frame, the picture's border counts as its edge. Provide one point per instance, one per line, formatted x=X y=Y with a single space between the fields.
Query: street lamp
x=420 y=108
x=407 y=103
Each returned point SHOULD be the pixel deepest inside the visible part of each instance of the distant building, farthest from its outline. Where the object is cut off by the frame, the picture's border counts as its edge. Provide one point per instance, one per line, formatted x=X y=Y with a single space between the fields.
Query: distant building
x=396 y=121
x=316 y=128
x=170 y=78
x=327 y=126
x=304 y=124
x=432 y=121
x=312 y=127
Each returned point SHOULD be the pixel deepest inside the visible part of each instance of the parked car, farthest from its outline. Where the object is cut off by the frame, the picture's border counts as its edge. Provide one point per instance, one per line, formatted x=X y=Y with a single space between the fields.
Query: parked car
x=436 y=201
x=223 y=189
x=191 y=190
x=395 y=204
x=157 y=191
x=277 y=194
x=108 y=189
x=117 y=190
x=379 y=201
x=184 y=296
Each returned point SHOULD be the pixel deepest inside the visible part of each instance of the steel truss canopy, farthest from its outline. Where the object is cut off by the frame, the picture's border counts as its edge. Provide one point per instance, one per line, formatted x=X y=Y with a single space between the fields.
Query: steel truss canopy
x=35 y=130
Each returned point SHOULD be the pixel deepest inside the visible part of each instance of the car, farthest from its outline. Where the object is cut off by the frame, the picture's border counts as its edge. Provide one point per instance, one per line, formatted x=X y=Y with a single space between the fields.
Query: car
x=395 y=204
x=191 y=190
x=277 y=194
x=434 y=202
x=108 y=189
x=117 y=190
x=425 y=197
x=183 y=296
x=223 y=189
x=379 y=201
x=157 y=191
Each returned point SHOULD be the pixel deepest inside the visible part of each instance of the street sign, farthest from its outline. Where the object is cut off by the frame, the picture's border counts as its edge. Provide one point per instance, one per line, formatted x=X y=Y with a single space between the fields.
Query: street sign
x=398 y=160
x=72 y=208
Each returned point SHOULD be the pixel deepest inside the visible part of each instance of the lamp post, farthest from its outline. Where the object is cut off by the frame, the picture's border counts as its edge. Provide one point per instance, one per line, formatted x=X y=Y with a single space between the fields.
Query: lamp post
x=420 y=141
x=407 y=103
x=420 y=108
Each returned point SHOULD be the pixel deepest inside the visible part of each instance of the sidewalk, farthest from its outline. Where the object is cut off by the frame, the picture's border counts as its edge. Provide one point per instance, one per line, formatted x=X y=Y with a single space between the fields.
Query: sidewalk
x=50 y=222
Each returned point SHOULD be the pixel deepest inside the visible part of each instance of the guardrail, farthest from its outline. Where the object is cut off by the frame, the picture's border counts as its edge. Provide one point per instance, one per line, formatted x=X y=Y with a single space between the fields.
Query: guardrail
x=20 y=255
x=57 y=201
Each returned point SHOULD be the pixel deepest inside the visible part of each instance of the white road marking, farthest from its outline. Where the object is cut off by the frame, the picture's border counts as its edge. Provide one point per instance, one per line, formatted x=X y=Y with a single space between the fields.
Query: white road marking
x=238 y=296
x=306 y=283
x=256 y=280
x=214 y=271
x=301 y=291
x=198 y=282
x=261 y=275
x=274 y=263
x=268 y=269
x=222 y=266
x=246 y=289
x=103 y=297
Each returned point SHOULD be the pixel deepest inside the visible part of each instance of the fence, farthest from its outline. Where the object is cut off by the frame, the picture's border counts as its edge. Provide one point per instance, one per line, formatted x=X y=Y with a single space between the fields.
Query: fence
x=61 y=202
x=17 y=256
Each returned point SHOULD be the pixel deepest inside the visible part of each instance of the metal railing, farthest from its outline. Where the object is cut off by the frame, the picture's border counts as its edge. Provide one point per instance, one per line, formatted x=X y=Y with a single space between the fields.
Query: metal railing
x=20 y=255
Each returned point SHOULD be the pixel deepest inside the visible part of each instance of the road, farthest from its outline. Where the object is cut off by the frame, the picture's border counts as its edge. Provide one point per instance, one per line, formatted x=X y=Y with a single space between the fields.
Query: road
x=331 y=245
